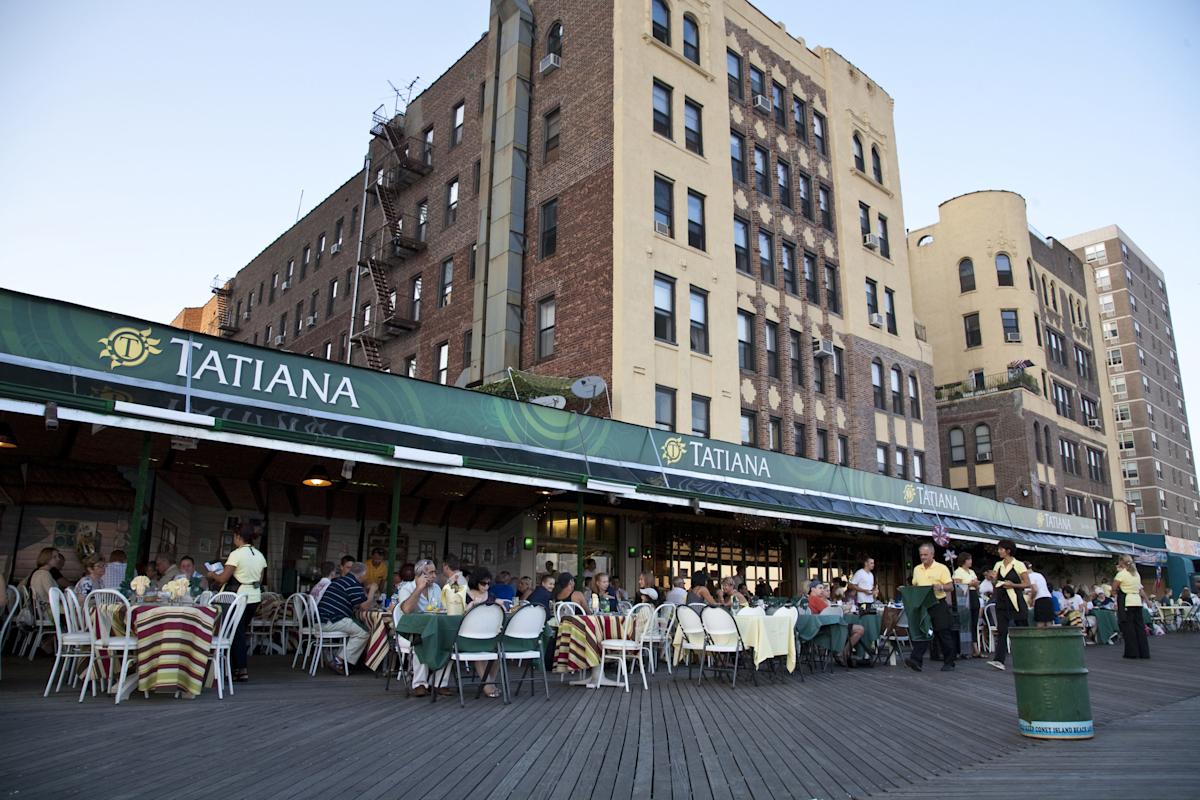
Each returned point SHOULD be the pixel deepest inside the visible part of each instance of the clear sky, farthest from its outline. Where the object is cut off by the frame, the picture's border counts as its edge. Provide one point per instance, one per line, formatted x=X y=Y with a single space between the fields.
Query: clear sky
x=146 y=147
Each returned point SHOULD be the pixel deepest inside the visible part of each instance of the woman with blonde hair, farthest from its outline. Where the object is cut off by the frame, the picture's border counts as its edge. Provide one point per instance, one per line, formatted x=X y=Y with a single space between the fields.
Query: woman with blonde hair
x=1130 y=595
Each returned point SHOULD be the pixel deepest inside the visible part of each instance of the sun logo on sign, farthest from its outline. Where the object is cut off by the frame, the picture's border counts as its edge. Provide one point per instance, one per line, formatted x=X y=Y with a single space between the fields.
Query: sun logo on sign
x=674 y=449
x=129 y=347
x=1041 y=519
x=910 y=493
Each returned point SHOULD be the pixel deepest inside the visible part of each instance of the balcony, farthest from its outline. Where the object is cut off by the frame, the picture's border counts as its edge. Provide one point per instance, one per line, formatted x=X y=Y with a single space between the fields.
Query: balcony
x=998 y=382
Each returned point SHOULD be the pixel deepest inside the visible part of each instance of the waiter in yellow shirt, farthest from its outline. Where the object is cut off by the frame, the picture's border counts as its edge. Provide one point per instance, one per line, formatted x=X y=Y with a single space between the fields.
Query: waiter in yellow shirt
x=376 y=569
x=931 y=573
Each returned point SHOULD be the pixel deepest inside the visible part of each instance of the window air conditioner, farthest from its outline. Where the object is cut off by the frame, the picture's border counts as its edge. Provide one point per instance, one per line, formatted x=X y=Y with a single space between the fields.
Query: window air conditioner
x=762 y=104
x=877 y=320
x=870 y=241
x=279 y=339
x=1094 y=424
x=983 y=458
x=822 y=348
x=549 y=63
x=312 y=320
x=335 y=248
x=1012 y=336
x=662 y=227
x=245 y=315
x=286 y=285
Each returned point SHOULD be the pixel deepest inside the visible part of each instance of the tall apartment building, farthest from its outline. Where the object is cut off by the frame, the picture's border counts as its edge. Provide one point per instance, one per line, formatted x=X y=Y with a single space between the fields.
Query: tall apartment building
x=580 y=194
x=1153 y=442
x=1021 y=399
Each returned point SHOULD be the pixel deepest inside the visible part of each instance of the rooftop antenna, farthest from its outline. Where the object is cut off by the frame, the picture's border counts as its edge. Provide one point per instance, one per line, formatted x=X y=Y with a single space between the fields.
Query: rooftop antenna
x=299 y=205
x=407 y=92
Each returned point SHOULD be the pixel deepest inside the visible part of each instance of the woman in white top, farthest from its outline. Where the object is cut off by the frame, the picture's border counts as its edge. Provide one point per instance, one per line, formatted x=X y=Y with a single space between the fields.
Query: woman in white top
x=247 y=566
x=1039 y=592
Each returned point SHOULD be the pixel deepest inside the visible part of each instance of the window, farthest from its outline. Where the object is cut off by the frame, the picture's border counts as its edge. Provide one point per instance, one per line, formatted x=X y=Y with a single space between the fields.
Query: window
x=839 y=376
x=698 y=319
x=1100 y=514
x=864 y=219
x=804 y=190
x=775 y=434
x=664 y=206
x=733 y=73
x=427 y=146
x=305 y=258
x=794 y=342
x=700 y=426
x=983 y=443
x=447 y=285
x=777 y=107
x=328 y=350
x=832 y=292
x=872 y=297
x=456 y=131
x=1083 y=363
x=766 y=257
x=691 y=39
x=546 y=324
x=1067 y=453
x=843 y=451
x=918 y=467
x=889 y=307
x=819 y=133
x=693 y=129
x=660 y=21
x=422 y=221
x=1063 y=400
x=749 y=425
x=745 y=330
x=958 y=446
x=664 y=309
x=1095 y=461
x=914 y=396
x=772 y=347
x=798 y=119
x=860 y=163
x=971 y=328
x=333 y=294
x=885 y=244
x=443 y=363
x=897 y=382
x=553 y=130
x=338 y=227
x=1054 y=343
x=1046 y=442
x=877 y=384
x=664 y=408
x=783 y=182
x=1011 y=325
x=757 y=82
x=822 y=444
x=810 y=279
x=1004 y=273
x=818 y=376
x=800 y=440
x=548 y=229
x=877 y=172
x=881 y=459
x=1091 y=411
x=553 y=41
x=737 y=156
x=787 y=259
x=901 y=462
x=662 y=109
x=762 y=160
x=741 y=245
x=477 y=166
x=825 y=204
x=966 y=276
x=468 y=336
x=696 y=237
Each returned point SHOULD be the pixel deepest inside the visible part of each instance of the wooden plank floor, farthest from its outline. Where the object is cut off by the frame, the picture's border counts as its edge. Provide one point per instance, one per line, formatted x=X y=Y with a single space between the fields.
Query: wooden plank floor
x=842 y=735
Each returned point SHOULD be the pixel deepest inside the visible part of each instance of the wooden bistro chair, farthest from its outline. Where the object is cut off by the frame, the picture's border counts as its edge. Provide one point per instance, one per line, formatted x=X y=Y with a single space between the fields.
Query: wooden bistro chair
x=481 y=624
x=527 y=624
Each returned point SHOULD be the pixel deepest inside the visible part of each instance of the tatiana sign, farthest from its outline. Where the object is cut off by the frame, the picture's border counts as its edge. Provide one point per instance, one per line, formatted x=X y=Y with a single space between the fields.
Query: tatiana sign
x=49 y=348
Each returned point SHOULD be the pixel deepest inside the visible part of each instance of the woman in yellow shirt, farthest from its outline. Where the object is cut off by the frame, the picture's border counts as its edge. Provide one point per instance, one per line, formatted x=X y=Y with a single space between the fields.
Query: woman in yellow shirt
x=246 y=565
x=1130 y=594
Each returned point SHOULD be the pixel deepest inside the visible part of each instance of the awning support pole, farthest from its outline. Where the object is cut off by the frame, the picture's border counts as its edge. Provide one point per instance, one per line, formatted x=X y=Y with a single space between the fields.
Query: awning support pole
x=579 y=540
x=393 y=529
x=139 y=501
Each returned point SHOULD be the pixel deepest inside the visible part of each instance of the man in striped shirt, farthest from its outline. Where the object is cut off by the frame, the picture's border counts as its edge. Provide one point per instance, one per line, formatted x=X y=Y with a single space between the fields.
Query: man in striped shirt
x=344 y=596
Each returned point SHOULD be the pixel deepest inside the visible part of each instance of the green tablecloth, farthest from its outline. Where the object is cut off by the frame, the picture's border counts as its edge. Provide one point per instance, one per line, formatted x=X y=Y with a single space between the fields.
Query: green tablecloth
x=437 y=633
x=870 y=623
x=1106 y=624
x=917 y=601
x=833 y=633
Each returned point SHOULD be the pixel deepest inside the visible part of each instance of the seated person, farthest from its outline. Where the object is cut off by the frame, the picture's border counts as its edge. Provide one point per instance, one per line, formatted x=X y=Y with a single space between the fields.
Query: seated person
x=423 y=595
x=564 y=590
x=646 y=591
x=544 y=593
x=164 y=565
x=93 y=577
x=597 y=598
x=377 y=569
x=615 y=590
x=344 y=596
x=729 y=596
x=1102 y=600
x=479 y=586
x=405 y=574
x=1187 y=598
x=677 y=593
x=187 y=569
x=818 y=601
x=502 y=589
x=1073 y=614
x=524 y=588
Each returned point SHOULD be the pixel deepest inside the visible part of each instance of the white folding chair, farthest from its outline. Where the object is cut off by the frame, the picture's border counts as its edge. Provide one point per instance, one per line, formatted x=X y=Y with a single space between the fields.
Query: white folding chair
x=70 y=643
x=721 y=636
x=638 y=621
x=481 y=623
x=988 y=625
x=205 y=598
x=566 y=608
x=660 y=634
x=102 y=638
x=42 y=625
x=527 y=624
x=222 y=643
x=402 y=649
x=286 y=624
x=689 y=623
x=752 y=611
x=13 y=605
x=227 y=598
x=304 y=629
x=262 y=629
x=320 y=639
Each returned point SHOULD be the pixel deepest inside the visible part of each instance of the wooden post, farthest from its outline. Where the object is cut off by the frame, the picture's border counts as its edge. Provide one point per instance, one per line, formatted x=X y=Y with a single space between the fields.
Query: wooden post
x=139 y=500
x=393 y=530
x=579 y=540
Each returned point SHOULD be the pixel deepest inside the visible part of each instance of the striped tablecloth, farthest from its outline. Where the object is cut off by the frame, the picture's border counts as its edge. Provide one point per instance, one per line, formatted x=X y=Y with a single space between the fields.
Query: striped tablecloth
x=174 y=645
x=577 y=646
x=379 y=641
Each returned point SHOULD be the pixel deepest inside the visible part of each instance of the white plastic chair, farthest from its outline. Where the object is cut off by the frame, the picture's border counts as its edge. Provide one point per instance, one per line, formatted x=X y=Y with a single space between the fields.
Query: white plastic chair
x=14 y=605
x=988 y=625
x=529 y=622
x=42 y=624
x=480 y=623
x=688 y=621
x=752 y=611
x=285 y=623
x=638 y=621
x=262 y=629
x=102 y=638
x=304 y=629
x=75 y=608
x=660 y=634
x=320 y=639
x=566 y=608
x=222 y=643
x=70 y=643
x=223 y=598
x=721 y=636
x=402 y=648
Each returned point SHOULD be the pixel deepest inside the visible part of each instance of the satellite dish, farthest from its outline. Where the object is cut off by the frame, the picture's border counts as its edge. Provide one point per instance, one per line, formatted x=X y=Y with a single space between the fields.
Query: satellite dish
x=590 y=387
x=463 y=379
x=551 y=401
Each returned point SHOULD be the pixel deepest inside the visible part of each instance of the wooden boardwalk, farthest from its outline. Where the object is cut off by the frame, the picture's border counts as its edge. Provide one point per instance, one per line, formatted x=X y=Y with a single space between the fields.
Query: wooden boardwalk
x=841 y=735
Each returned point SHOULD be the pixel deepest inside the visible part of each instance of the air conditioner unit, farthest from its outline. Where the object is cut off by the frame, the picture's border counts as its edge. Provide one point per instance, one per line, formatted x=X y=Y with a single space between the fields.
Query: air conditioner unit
x=1094 y=424
x=822 y=348
x=245 y=315
x=279 y=339
x=335 y=248
x=286 y=285
x=762 y=103
x=1124 y=423
x=983 y=458
x=877 y=320
x=662 y=227
x=870 y=241
x=549 y=63
x=1012 y=336
x=312 y=320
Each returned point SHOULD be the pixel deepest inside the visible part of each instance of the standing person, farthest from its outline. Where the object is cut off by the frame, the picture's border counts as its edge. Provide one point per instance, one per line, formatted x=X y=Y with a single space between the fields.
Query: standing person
x=589 y=569
x=246 y=566
x=862 y=583
x=1011 y=582
x=377 y=569
x=342 y=599
x=1130 y=594
x=931 y=573
x=966 y=577
x=1039 y=592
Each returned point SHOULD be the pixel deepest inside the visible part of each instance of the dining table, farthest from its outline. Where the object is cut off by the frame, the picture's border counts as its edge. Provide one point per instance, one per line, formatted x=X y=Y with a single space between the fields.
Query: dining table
x=767 y=636
x=579 y=642
x=174 y=645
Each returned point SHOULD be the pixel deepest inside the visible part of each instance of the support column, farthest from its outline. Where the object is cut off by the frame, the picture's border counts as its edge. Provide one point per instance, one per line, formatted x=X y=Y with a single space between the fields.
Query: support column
x=393 y=529
x=579 y=540
x=139 y=501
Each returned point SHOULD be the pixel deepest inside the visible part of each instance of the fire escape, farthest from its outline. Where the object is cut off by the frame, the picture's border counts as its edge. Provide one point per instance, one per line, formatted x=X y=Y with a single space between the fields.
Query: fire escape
x=227 y=321
x=391 y=240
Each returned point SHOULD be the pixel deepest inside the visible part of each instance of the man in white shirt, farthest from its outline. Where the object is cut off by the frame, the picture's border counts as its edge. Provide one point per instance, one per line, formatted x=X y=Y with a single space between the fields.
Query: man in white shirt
x=986 y=587
x=1041 y=600
x=422 y=594
x=862 y=584
x=678 y=594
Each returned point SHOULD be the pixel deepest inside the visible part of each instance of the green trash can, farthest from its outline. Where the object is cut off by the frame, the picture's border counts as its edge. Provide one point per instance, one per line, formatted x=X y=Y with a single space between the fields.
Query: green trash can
x=1051 y=679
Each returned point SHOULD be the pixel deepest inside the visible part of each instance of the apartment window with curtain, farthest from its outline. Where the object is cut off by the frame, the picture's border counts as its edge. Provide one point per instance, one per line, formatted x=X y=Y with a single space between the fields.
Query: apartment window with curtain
x=733 y=73
x=811 y=292
x=664 y=309
x=819 y=133
x=872 y=297
x=897 y=381
x=918 y=467
x=877 y=385
x=452 y=201
x=741 y=245
x=787 y=259
x=456 y=123
x=983 y=443
x=762 y=160
x=745 y=332
x=737 y=156
x=766 y=257
x=885 y=246
x=881 y=458
x=696 y=234
x=958 y=446
x=447 y=285
x=839 y=375
x=700 y=424
x=864 y=219
x=1010 y=324
x=777 y=107
x=693 y=126
x=662 y=109
x=698 y=317
x=548 y=229
x=889 y=309
x=664 y=408
x=664 y=206
x=901 y=464
x=795 y=340
x=833 y=297
x=757 y=81
x=749 y=428
x=414 y=296
x=783 y=182
x=914 y=396
x=825 y=204
x=771 y=330
x=804 y=192
x=546 y=325
x=443 y=363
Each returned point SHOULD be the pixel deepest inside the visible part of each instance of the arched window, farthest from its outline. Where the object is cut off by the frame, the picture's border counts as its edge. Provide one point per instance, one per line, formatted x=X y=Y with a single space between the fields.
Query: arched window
x=876 y=165
x=1004 y=276
x=554 y=39
x=925 y=240
x=983 y=443
x=1045 y=294
x=914 y=396
x=660 y=21
x=691 y=39
x=1054 y=295
x=1032 y=279
x=1037 y=440
x=897 y=391
x=877 y=384
x=966 y=276
x=856 y=143
x=958 y=446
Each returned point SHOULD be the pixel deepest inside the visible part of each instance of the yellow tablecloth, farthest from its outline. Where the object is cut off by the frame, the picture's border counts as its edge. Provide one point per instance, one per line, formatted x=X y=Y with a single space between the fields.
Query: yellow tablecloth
x=769 y=637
